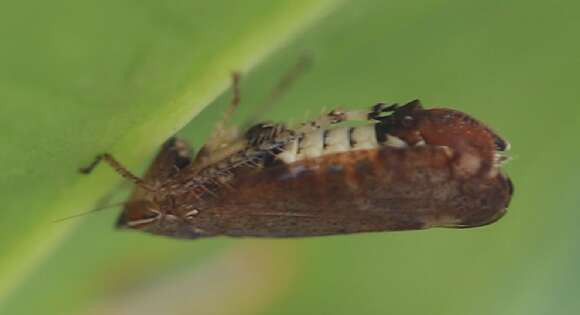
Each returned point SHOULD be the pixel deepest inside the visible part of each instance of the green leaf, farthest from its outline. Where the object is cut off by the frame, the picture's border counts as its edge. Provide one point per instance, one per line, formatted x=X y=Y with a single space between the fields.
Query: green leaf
x=513 y=64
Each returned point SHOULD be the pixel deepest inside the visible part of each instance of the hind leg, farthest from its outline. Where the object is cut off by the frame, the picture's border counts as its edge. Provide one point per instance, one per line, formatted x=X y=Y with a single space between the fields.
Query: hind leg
x=222 y=135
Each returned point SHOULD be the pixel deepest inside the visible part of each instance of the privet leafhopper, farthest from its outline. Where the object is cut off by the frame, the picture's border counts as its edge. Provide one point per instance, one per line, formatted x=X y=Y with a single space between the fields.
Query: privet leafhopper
x=404 y=168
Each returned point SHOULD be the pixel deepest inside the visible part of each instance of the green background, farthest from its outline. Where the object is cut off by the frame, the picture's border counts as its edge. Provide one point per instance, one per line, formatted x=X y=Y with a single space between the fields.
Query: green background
x=80 y=78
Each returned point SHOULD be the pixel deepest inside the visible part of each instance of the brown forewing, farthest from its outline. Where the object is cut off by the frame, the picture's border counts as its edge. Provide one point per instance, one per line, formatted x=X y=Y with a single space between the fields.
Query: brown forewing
x=384 y=189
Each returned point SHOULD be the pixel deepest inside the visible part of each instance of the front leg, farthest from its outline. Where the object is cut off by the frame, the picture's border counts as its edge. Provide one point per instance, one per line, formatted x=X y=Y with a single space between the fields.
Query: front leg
x=117 y=167
x=175 y=155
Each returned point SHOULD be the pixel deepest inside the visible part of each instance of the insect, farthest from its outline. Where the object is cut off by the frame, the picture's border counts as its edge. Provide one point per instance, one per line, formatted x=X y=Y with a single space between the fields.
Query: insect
x=404 y=168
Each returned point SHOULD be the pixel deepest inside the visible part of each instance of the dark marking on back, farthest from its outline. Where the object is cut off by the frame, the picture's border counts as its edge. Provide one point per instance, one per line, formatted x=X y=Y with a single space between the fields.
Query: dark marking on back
x=381 y=131
x=299 y=144
x=325 y=138
x=351 y=142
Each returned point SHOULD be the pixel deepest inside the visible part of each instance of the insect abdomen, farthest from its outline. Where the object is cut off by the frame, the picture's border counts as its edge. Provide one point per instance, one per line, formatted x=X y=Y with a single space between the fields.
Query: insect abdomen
x=337 y=140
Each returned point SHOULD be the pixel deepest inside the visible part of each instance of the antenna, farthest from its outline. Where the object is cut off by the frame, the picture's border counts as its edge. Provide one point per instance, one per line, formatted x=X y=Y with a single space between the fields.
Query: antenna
x=89 y=212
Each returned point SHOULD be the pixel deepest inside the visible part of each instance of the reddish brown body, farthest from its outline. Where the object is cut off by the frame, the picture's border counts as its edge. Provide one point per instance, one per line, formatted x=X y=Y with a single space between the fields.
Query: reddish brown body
x=424 y=168
x=361 y=191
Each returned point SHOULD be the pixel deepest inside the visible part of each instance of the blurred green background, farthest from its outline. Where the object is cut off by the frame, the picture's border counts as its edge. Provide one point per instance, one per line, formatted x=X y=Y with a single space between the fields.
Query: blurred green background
x=80 y=78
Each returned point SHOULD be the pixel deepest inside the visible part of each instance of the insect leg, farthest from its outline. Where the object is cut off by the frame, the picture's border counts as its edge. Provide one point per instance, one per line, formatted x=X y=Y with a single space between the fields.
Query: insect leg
x=283 y=86
x=233 y=104
x=119 y=168
x=219 y=132
x=221 y=135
